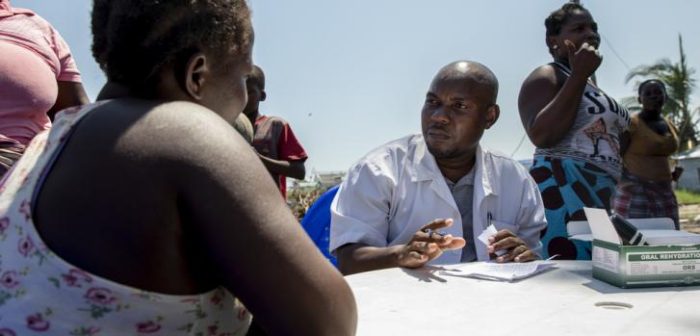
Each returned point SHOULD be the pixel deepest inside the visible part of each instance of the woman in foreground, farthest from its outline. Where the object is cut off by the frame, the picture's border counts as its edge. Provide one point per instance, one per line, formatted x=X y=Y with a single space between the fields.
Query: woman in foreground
x=145 y=212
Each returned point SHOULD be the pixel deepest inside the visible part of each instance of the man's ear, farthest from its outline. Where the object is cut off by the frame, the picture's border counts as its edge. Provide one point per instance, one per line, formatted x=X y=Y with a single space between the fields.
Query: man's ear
x=196 y=73
x=492 y=114
x=263 y=95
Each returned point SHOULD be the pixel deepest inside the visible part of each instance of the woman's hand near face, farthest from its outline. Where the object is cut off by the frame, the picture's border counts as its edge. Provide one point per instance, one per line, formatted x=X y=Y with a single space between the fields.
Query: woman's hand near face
x=584 y=61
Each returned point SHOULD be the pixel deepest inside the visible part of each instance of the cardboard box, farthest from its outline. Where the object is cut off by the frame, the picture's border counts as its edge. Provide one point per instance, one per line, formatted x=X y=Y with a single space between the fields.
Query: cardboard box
x=671 y=259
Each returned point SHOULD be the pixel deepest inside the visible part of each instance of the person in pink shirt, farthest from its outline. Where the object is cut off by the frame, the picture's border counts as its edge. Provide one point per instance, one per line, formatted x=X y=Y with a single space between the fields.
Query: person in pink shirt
x=38 y=77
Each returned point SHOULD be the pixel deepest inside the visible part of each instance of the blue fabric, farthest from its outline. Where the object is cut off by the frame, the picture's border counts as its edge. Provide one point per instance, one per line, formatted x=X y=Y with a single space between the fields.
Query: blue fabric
x=317 y=223
x=567 y=186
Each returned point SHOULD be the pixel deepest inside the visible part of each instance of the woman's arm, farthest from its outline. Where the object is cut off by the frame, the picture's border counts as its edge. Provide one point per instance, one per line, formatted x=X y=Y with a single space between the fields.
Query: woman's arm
x=69 y=94
x=548 y=110
x=548 y=107
x=258 y=249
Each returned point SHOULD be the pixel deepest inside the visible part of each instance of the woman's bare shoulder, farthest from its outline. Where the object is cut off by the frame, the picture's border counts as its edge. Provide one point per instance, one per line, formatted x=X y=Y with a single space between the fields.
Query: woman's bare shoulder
x=543 y=73
x=165 y=135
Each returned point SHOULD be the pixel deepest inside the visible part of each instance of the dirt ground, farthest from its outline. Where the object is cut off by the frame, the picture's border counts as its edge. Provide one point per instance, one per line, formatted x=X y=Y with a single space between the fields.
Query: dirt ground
x=690 y=217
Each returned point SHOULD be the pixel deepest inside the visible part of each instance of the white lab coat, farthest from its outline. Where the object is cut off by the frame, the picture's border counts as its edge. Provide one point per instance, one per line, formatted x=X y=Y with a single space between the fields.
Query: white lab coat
x=397 y=188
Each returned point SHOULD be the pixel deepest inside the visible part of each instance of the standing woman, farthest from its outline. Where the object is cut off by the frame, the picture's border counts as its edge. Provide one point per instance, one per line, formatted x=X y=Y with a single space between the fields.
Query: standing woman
x=645 y=189
x=575 y=126
x=38 y=77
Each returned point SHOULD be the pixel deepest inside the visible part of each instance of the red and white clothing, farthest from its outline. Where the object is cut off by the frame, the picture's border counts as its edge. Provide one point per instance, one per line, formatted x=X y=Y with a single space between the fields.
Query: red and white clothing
x=34 y=58
x=274 y=139
x=42 y=294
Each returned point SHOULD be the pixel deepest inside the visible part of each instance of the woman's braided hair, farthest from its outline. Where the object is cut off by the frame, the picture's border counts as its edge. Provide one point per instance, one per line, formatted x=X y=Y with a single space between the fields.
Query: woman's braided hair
x=134 y=39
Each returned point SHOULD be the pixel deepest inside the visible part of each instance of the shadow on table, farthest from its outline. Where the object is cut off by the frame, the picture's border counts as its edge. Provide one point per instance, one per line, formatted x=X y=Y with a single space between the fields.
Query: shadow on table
x=437 y=273
x=605 y=288
x=426 y=273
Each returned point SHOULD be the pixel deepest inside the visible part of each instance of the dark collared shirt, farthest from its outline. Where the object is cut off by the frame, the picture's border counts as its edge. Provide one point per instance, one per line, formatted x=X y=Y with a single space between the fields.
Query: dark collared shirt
x=463 y=194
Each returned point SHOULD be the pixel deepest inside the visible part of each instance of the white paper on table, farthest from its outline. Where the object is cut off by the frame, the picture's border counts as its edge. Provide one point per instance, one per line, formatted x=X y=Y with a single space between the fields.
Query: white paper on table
x=500 y=272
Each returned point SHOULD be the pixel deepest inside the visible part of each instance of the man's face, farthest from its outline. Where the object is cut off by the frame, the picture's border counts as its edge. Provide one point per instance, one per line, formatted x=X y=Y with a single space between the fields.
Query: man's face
x=454 y=116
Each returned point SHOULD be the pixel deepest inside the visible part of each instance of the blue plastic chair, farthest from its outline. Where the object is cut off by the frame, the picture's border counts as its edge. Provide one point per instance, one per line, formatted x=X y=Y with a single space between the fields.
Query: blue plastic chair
x=317 y=223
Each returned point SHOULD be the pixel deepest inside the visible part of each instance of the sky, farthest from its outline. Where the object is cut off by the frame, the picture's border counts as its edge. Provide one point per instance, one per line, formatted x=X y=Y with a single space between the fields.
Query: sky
x=352 y=75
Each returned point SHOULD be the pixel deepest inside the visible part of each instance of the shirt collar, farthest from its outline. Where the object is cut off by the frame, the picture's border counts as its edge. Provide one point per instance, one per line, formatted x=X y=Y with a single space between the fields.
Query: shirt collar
x=466 y=180
x=7 y=10
x=425 y=168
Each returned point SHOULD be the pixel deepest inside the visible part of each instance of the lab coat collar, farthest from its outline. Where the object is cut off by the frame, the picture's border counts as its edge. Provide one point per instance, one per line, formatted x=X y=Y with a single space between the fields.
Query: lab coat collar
x=425 y=167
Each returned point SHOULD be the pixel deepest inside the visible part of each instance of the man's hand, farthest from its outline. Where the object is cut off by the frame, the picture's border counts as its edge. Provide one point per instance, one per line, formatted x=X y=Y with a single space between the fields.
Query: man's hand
x=516 y=249
x=428 y=244
x=585 y=60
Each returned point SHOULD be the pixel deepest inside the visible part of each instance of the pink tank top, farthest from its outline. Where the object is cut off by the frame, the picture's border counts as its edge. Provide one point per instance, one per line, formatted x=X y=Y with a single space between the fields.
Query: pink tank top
x=42 y=294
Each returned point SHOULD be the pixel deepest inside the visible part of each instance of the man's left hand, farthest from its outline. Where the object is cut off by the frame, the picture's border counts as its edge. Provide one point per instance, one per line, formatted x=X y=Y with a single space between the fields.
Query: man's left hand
x=516 y=248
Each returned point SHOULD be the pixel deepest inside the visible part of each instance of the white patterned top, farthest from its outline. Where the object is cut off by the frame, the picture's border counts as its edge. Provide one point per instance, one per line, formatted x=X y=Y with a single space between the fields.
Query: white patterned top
x=42 y=294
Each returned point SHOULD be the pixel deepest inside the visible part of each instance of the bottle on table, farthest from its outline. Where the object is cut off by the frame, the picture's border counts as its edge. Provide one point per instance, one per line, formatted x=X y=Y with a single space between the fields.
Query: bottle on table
x=628 y=233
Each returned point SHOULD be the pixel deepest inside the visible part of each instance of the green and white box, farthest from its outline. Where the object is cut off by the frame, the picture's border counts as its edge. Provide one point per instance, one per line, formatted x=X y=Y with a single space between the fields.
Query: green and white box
x=672 y=257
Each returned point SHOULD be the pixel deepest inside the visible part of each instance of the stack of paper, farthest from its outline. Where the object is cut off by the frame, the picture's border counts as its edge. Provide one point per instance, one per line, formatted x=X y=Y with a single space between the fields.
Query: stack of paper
x=500 y=272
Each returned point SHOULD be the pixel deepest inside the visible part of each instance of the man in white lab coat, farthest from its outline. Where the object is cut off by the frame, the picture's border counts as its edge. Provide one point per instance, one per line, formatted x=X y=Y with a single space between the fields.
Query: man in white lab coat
x=427 y=197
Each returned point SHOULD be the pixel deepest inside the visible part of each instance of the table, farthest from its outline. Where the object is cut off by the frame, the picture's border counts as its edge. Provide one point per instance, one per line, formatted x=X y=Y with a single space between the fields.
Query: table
x=562 y=301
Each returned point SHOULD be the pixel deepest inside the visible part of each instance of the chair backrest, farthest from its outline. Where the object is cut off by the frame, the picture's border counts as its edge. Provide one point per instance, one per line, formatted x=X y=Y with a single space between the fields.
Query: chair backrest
x=574 y=228
x=317 y=223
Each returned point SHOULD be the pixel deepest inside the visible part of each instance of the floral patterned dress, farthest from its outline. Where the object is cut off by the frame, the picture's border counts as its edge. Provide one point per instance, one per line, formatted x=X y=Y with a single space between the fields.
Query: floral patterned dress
x=42 y=294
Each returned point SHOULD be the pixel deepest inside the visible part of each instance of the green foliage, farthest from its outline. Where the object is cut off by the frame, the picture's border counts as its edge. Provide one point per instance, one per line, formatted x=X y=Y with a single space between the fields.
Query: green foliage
x=685 y=197
x=299 y=200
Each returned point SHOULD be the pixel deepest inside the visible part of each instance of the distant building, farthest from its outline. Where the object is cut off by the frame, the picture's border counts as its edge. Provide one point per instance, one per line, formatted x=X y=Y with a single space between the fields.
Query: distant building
x=331 y=179
x=322 y=181
x=690 y=161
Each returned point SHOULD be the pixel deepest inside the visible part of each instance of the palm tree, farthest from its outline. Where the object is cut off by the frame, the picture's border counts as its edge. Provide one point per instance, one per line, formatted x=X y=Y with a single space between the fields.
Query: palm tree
x=679 y=84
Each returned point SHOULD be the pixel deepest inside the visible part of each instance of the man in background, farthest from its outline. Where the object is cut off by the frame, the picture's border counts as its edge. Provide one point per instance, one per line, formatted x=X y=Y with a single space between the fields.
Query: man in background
x=273 y=139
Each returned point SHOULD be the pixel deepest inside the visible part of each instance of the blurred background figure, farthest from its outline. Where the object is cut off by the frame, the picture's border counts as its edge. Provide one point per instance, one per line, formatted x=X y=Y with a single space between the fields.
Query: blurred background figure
x=38 y=77
x=575 y=126
x=276 y=144
x=244 y=128
x=646 y=189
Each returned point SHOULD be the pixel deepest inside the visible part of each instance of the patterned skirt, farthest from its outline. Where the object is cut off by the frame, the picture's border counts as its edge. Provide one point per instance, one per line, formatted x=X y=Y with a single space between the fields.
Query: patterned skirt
x=639 y=198
x=10 y=152
x=567 y=186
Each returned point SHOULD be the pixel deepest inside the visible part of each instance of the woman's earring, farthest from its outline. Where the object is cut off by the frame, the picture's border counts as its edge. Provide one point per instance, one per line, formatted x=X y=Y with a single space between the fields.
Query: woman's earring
x=555 y=47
